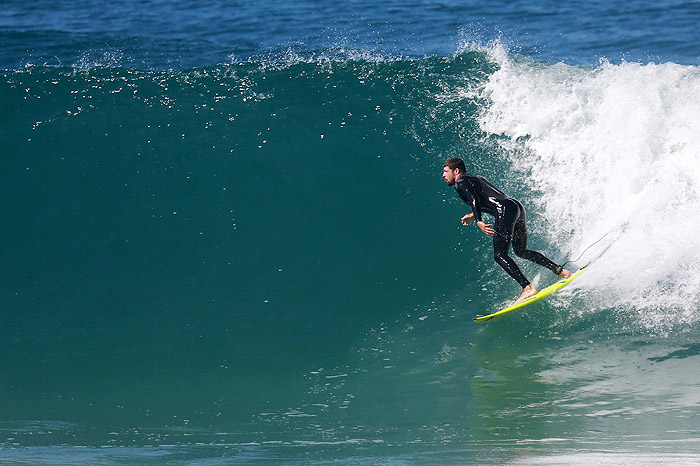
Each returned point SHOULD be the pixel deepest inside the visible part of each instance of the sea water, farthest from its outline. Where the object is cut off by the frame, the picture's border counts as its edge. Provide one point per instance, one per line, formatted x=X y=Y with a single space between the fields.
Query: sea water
x=225 y=238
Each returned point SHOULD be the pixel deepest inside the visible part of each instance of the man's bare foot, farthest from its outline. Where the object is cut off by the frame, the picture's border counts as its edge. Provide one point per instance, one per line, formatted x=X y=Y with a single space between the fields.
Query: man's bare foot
x=528 y=292
x=564 y=274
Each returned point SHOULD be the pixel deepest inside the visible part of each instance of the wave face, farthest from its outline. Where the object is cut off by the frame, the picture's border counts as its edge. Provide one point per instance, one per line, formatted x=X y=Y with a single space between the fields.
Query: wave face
x=259 y=261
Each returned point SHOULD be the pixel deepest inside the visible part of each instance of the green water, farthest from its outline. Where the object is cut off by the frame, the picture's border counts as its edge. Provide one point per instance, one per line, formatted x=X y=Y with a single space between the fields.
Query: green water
x=259 y=263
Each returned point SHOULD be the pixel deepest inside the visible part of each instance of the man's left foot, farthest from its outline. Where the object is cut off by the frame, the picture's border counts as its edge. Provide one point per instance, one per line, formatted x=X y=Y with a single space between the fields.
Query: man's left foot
x=564 y=274
x=528 y=292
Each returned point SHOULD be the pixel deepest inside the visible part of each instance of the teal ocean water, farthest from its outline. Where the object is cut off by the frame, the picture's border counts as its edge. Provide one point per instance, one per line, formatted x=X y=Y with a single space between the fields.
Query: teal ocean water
x=256 y=261
x=260 y=261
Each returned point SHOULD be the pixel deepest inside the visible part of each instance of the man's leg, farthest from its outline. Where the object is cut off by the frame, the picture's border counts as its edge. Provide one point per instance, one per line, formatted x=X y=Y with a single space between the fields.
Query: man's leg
x=521 y=250
x=500 y=255
x=506 y=218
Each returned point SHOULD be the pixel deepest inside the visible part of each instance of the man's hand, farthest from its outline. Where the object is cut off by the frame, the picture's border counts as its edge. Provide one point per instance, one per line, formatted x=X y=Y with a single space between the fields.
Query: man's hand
x=486 y=228
x=467 y=219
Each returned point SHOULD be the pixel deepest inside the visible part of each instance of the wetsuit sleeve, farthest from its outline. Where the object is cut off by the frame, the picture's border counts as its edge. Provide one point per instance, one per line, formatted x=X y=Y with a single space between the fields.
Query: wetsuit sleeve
x=466 y=192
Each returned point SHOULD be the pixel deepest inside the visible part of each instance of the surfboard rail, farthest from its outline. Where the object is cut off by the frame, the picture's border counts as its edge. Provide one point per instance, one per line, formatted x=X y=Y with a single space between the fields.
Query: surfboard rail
x=544 y=293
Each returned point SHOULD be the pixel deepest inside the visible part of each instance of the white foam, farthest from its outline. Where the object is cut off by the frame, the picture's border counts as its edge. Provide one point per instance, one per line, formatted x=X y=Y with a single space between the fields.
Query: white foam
x=612 y=148
x=291 y=56
x=96 y=59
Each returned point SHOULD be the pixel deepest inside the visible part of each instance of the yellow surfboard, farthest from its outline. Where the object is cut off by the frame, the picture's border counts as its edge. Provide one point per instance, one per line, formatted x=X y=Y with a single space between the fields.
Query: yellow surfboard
x=541 y=295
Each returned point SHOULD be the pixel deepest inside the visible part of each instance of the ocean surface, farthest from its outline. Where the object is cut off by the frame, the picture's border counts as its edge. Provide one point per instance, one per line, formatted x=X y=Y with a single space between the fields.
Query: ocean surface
x=225 y=238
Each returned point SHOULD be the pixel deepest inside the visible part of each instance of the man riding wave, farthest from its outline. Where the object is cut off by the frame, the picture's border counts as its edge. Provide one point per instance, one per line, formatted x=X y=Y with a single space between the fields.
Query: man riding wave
x=509 y=223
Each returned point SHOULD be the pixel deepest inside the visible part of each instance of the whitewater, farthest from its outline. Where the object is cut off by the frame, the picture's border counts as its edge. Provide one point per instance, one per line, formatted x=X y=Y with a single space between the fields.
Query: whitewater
x=611 y=149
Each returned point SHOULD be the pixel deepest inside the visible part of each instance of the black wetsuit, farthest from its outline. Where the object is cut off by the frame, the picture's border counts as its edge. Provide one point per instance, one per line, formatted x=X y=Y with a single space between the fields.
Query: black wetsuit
x=509 y=225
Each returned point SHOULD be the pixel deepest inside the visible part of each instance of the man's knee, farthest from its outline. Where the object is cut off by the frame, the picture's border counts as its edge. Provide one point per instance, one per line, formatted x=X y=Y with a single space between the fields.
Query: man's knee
x=520 y=252
x=500 y=258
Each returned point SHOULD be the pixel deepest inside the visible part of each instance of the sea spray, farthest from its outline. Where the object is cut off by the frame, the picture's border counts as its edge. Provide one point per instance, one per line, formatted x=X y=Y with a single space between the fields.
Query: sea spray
x=615 y=148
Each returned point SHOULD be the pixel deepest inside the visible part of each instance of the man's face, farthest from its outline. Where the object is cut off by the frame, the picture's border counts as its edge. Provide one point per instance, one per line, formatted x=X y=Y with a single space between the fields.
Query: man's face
x=449 y=175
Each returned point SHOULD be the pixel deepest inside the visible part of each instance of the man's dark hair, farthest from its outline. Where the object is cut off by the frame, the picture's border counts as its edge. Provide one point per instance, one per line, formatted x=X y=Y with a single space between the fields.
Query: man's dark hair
x=456 y=163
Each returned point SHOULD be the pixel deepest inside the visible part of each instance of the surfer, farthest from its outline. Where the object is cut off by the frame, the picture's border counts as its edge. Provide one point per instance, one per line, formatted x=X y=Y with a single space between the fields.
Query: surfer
x=509 y=226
